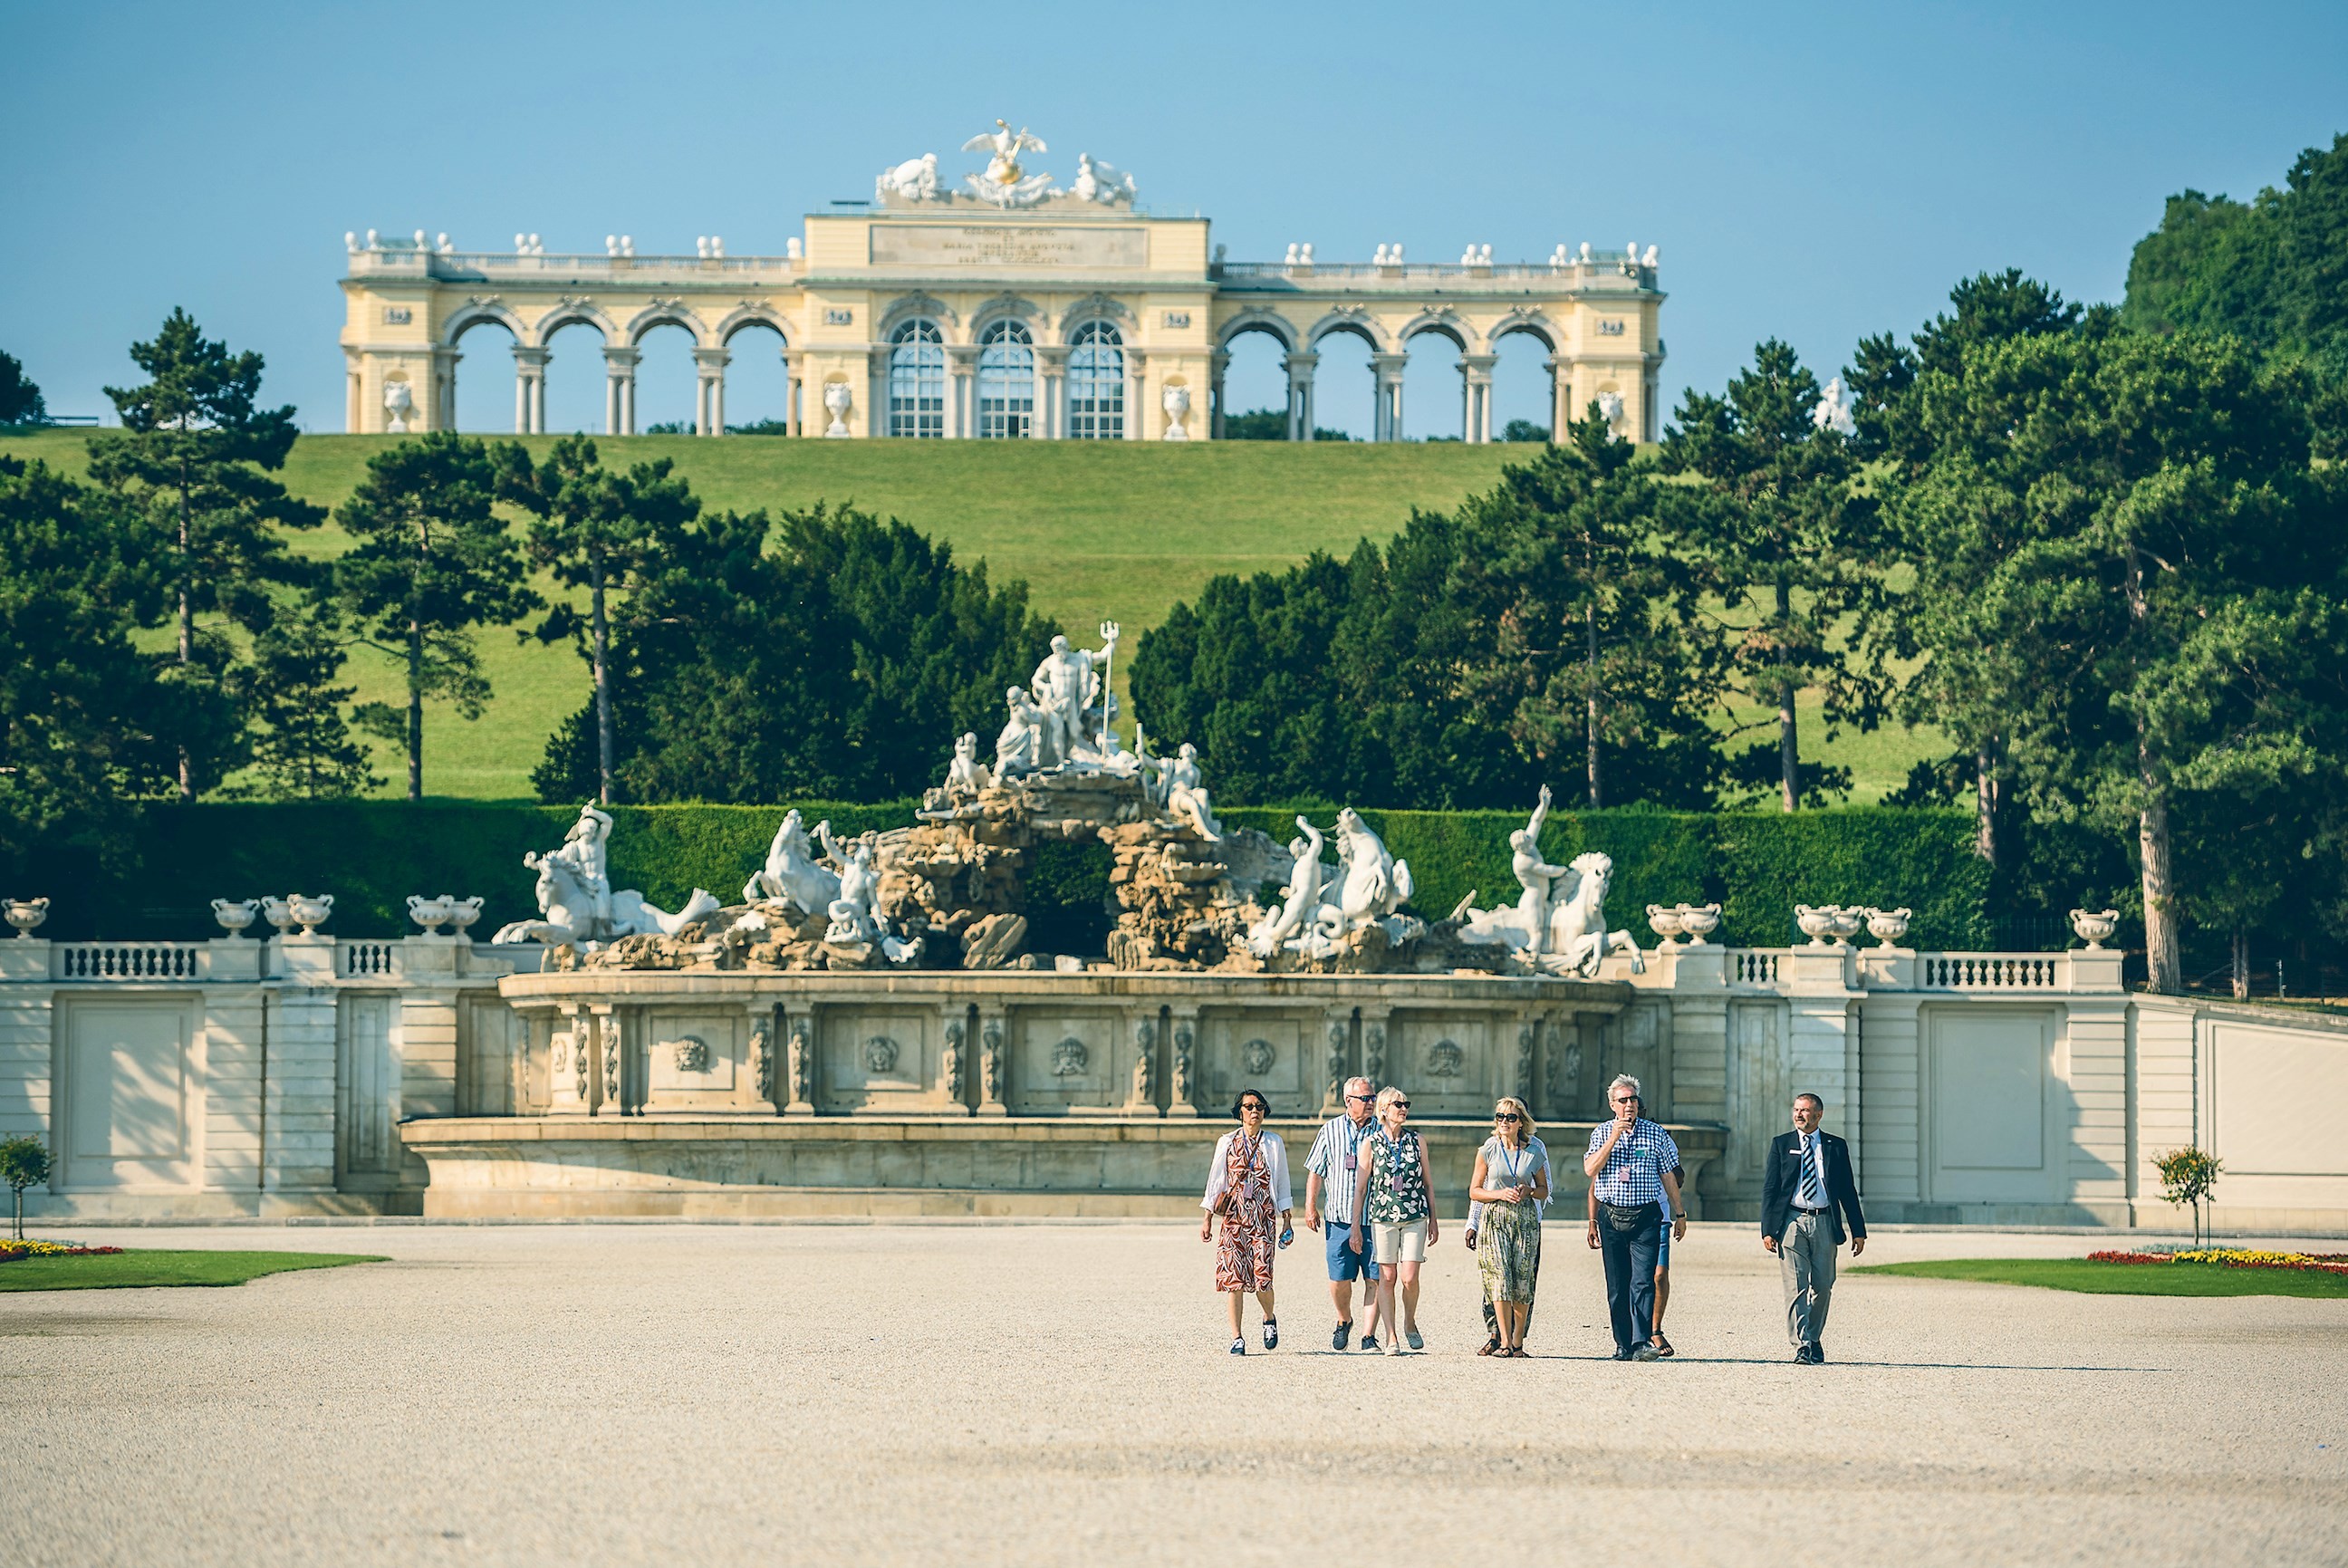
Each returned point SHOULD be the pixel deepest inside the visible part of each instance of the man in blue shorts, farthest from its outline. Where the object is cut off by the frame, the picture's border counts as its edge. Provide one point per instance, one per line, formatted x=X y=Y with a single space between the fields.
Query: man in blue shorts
x=1335 y=1166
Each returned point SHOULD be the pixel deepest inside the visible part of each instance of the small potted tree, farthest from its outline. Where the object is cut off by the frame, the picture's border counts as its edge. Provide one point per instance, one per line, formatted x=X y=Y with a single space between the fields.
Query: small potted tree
x=2188 y=1175
x=23 y=1163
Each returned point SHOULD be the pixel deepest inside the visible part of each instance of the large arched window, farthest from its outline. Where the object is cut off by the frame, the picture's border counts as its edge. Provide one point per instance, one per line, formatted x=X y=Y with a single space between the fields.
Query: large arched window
x=1007 y=382
x=916 y=381
x=1096 y=384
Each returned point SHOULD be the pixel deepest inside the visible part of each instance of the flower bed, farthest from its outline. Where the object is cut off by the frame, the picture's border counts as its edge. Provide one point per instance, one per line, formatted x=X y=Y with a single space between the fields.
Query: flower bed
x=11 y=1251
x=2234 y=1258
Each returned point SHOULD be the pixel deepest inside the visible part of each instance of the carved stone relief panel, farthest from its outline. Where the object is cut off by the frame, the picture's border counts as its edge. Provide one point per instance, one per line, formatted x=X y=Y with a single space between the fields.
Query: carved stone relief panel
x=1452 y=1064
x=1277 y=1054
x=874 y=1058
x=690 y=1052
x=1068 y=1061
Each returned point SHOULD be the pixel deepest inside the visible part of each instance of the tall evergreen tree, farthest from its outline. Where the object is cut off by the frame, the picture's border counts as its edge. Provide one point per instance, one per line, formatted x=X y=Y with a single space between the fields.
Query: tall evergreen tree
x=194 y=458
x=599 y=531
x=1784 y=537
x=2138 y=526
x=20 y=400
x=431 y=560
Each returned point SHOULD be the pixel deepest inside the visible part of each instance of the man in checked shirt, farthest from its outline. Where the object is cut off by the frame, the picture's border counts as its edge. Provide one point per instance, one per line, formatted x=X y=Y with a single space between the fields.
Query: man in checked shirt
x=1629 y=1167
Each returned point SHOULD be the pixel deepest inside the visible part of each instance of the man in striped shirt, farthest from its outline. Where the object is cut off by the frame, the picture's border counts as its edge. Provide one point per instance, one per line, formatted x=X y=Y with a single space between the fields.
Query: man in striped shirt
x=1629 y=1167
x=1334 y=1166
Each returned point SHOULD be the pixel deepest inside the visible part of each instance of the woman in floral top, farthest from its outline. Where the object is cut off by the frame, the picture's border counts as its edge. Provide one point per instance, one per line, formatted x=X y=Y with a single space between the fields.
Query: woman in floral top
x=1247 y=1185
x=1398 y=1204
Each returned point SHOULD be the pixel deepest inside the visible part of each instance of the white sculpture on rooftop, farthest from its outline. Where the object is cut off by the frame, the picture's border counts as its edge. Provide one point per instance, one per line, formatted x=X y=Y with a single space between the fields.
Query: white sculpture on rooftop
x=915 y=179
x=1005 y=183
x=1834 y=410
x=1098 y=181
x=576 y=904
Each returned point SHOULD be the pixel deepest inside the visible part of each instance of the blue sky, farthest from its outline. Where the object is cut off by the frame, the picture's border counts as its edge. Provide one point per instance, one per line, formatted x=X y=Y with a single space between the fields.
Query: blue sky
x=1813 y=172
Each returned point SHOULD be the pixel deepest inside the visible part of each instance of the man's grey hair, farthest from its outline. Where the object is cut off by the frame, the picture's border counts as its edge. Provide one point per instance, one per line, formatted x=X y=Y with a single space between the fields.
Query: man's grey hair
x=1819 y=1100
x=1624 y=1080
x=1360 y=1083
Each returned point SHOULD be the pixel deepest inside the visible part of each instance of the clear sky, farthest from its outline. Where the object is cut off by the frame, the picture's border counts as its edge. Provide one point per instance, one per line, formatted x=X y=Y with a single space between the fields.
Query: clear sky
x=1815 y=173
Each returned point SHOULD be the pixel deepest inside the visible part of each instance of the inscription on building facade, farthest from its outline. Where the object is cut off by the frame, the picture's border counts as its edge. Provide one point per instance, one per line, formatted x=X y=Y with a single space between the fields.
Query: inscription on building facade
x=1007 y=245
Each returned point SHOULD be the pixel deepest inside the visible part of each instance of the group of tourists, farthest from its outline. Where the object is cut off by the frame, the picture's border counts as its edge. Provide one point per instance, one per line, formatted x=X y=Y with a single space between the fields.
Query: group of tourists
x=1370 y=1193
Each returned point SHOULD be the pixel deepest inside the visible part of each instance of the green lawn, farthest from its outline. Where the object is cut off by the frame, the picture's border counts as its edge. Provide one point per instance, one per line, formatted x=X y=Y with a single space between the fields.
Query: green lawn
x=142 y=1268
x=2122 y=1279
x=1100 y=530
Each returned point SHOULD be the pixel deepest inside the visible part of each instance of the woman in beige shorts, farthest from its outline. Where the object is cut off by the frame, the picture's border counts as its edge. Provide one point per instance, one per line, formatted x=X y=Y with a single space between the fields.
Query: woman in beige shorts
x=1396 y=1205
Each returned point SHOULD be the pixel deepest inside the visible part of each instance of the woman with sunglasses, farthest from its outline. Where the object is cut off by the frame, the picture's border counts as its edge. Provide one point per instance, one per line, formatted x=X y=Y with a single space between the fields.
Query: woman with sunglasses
x=1398 y=1204
x=1511 y=1183
x=1248 y=1186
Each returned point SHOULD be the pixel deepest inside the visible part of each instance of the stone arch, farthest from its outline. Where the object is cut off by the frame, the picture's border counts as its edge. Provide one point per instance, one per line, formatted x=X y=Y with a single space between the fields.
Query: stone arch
x=1271 y=323
x=906 y=308
x=576 y=313
x=666 y=313
x=1354 y=320
x=1531 y=323
x=1095 y=307
x=748 y=316
x=1004 y=307
x=482 y=313
x=1445 y=322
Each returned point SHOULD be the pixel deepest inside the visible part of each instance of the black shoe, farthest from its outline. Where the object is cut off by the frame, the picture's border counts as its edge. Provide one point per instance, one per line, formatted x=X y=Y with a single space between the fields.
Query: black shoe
x=1370 y=1343
x=1621 y=1354
x=1345 y=1333
x=1806 y=1357
x=1818 y=1353
x=1238 y=1346
x=1271 y=1334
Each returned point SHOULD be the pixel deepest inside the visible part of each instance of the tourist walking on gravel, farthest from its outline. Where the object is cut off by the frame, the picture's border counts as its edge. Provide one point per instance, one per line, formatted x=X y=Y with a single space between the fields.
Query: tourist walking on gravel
x=1629 y=1167
x=1807 y=1190
x=1334 y=1166
x=1511 y=1182
x=1248 y=1186
x=1398 y=1206
x=1663 y=1260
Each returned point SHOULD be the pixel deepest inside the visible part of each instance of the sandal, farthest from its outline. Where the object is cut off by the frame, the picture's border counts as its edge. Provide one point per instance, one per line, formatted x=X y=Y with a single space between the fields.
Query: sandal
x=1488 y=1348
x=1664 y=1347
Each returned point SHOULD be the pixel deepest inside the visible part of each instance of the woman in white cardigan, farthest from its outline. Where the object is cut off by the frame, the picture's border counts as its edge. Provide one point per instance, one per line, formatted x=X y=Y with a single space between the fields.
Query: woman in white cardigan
x=1248 y=1186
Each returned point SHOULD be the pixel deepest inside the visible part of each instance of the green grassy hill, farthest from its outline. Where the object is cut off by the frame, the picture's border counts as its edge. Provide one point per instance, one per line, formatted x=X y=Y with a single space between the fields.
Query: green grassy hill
x=1099 y=530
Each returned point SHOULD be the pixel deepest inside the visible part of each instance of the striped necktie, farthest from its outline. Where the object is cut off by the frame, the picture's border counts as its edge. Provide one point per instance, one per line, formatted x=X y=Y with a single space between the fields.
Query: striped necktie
x=1814 y=1195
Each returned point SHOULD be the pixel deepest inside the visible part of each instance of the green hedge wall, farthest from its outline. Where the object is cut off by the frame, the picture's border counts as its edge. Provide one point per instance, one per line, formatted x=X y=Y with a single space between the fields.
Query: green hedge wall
x=371 y=854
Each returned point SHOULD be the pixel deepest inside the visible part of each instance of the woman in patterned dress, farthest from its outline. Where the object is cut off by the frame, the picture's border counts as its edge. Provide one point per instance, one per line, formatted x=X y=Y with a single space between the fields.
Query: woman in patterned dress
x=1248 y=1185
x=1398 y=1204
x=1511 y=1182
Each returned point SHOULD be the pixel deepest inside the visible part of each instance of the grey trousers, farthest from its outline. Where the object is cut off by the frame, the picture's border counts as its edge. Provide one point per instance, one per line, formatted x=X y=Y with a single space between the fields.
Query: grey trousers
x=1806 y=1261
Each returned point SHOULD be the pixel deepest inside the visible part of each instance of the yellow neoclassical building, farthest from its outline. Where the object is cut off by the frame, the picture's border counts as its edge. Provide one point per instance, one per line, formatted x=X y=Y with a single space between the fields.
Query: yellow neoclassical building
x=1008 y=309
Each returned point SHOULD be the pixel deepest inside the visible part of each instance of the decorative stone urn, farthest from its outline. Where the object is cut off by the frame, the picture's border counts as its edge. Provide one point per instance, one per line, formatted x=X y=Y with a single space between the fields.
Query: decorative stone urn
x=1699 y=921
x=310 y=913
x=1668 y=920
x=1817 y=921
x=1888 y=926
x=462 y=911
x=1846 y=923
x=276 y=912
x=27 y=914
x=235 y=915
x=431 y=914
x=836 y=400
x=1177 y=402
x=2095 y=930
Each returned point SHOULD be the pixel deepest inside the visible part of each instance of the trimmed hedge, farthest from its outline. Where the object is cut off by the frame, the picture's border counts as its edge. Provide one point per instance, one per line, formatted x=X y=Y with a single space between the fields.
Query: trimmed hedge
x=371 y=854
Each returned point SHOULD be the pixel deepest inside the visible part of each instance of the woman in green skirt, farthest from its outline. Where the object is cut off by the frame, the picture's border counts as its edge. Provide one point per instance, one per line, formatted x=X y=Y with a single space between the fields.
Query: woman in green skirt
x=1511 y=1182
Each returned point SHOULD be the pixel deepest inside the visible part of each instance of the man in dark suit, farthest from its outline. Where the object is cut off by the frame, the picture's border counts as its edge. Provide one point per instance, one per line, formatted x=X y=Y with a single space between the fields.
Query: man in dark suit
x=1806 y=1190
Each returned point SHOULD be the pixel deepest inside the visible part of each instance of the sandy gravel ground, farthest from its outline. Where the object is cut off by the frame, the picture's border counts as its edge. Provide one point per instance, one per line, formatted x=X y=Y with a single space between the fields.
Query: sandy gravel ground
x=1061 y=1393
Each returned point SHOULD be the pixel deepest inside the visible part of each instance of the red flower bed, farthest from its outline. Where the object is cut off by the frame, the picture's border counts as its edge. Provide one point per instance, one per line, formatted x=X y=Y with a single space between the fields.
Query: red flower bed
x=10 y=1250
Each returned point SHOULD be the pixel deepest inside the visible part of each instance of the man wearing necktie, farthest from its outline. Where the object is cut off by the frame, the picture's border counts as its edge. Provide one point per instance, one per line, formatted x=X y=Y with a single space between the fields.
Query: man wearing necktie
x=1807 y=1190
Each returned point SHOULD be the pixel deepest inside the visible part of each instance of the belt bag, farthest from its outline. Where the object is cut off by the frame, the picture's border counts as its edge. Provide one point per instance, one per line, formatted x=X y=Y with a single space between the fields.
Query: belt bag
x=1621 y=1219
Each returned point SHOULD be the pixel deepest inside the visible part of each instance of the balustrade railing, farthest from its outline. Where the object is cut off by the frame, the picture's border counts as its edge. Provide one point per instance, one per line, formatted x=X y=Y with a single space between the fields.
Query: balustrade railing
x=362 y=958
x=508 y=263
x=1991 y=972
x=1755 y=966
x=126 y=960
x=1583 y=274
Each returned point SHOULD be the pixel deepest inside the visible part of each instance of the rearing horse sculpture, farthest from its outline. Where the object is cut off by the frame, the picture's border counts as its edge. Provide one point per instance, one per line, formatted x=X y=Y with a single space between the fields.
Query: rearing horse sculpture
x=791 y=872
x=567 y=907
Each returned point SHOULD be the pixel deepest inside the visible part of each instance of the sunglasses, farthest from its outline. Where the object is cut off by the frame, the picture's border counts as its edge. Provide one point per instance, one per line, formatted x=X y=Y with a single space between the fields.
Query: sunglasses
x=1401 y=1104
x=1255 y=1105
x=1507 y=1116
x=1359 y=1098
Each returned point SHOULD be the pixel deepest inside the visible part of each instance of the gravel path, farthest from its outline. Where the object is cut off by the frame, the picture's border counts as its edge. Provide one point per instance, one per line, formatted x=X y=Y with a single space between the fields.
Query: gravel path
x=1061 y=1393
